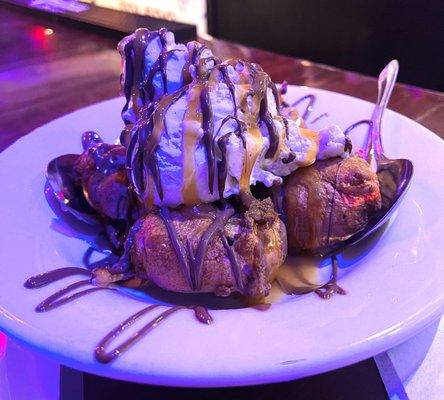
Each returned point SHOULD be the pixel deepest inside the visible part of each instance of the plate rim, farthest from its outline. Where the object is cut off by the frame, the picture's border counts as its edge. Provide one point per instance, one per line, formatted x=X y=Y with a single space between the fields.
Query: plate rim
x=396 y=335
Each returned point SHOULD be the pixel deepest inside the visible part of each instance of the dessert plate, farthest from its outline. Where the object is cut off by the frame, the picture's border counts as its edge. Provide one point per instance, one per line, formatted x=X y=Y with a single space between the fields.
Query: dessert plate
x=394 y=282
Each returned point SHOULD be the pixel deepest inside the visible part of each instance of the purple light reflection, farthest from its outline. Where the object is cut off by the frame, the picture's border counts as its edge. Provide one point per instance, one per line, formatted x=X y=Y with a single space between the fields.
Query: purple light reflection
x=3 y=343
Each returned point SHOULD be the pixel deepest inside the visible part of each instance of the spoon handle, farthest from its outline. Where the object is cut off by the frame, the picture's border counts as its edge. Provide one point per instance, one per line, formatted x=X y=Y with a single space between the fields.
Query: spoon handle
x=386 y=83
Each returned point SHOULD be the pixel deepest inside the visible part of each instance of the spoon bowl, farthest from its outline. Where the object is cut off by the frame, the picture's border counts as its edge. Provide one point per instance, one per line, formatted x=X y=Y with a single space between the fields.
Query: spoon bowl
x=394 y=175
x=63 y=183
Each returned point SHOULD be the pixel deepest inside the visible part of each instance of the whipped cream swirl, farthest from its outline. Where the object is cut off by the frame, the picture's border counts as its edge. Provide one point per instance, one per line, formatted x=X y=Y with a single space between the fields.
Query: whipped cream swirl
x=206 y=130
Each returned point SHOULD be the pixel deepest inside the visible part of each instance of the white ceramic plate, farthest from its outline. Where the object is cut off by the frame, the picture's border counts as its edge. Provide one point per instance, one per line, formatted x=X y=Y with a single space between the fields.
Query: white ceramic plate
x=395 y=288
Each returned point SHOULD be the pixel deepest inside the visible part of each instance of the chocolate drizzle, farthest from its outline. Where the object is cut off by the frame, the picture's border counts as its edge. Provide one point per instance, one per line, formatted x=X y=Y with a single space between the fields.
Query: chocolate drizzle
x=159 y=66
x=62 y=296
x=140 y=43
x=359 y=123
x=51 y=276
x=235 y=267
x=66 y=295
x=141 y=162
x=265 y=115
x=195 y=50
x=127 y=78
x=222 y=167
x=137 y=84
x=124 y=263
x=197 y=258
x=178 y=248
x=191 y=260
x=230 y=85
x=311 y=100
x=208 y=127
x=331 y=287
x=104 y=356
x=319 y=117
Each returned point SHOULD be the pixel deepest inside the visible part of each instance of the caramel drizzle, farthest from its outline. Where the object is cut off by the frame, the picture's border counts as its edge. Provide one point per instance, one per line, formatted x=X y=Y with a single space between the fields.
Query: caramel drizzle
x=193 y=117
x=250 y=76
x=200 y=111
x=253 y=76
x=62 y=297
x=190 y=260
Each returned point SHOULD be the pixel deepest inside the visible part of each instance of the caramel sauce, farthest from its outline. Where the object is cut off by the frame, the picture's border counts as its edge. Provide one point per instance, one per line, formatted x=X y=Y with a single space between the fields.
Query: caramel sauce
x=254 y=143
x=312 y=151
x=253 y=86
x=303 y=274
x=190 y=125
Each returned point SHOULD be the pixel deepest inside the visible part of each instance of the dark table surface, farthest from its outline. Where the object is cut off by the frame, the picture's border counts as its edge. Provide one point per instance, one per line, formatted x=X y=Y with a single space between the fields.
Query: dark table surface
x=45 y=76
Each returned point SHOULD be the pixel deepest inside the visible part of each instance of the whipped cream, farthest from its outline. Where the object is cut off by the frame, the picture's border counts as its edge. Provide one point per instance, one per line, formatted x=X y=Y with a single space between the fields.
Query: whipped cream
x=220 y=134
x=153 y=65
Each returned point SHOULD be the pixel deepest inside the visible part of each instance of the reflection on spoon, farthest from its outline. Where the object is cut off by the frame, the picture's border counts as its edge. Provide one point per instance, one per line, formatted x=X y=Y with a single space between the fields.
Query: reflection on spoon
x=63 y=182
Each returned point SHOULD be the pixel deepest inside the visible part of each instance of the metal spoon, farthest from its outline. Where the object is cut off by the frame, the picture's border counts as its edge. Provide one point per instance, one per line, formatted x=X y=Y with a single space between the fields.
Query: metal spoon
x=394 y=175
x=64 y=185
x=60 y=175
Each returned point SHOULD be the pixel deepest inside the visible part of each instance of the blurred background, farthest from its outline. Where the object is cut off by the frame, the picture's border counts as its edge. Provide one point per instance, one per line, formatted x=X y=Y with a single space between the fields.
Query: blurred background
x=356 y=35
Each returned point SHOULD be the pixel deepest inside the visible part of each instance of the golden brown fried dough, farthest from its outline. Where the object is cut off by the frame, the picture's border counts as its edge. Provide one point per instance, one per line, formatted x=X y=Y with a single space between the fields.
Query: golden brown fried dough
x=105 y=189
x=257 y=239
x=329 y=201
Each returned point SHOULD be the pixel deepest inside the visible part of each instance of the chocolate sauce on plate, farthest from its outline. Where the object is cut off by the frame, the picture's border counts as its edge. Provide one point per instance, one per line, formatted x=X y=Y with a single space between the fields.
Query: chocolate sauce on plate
x=105 y=356
x=69 y=294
